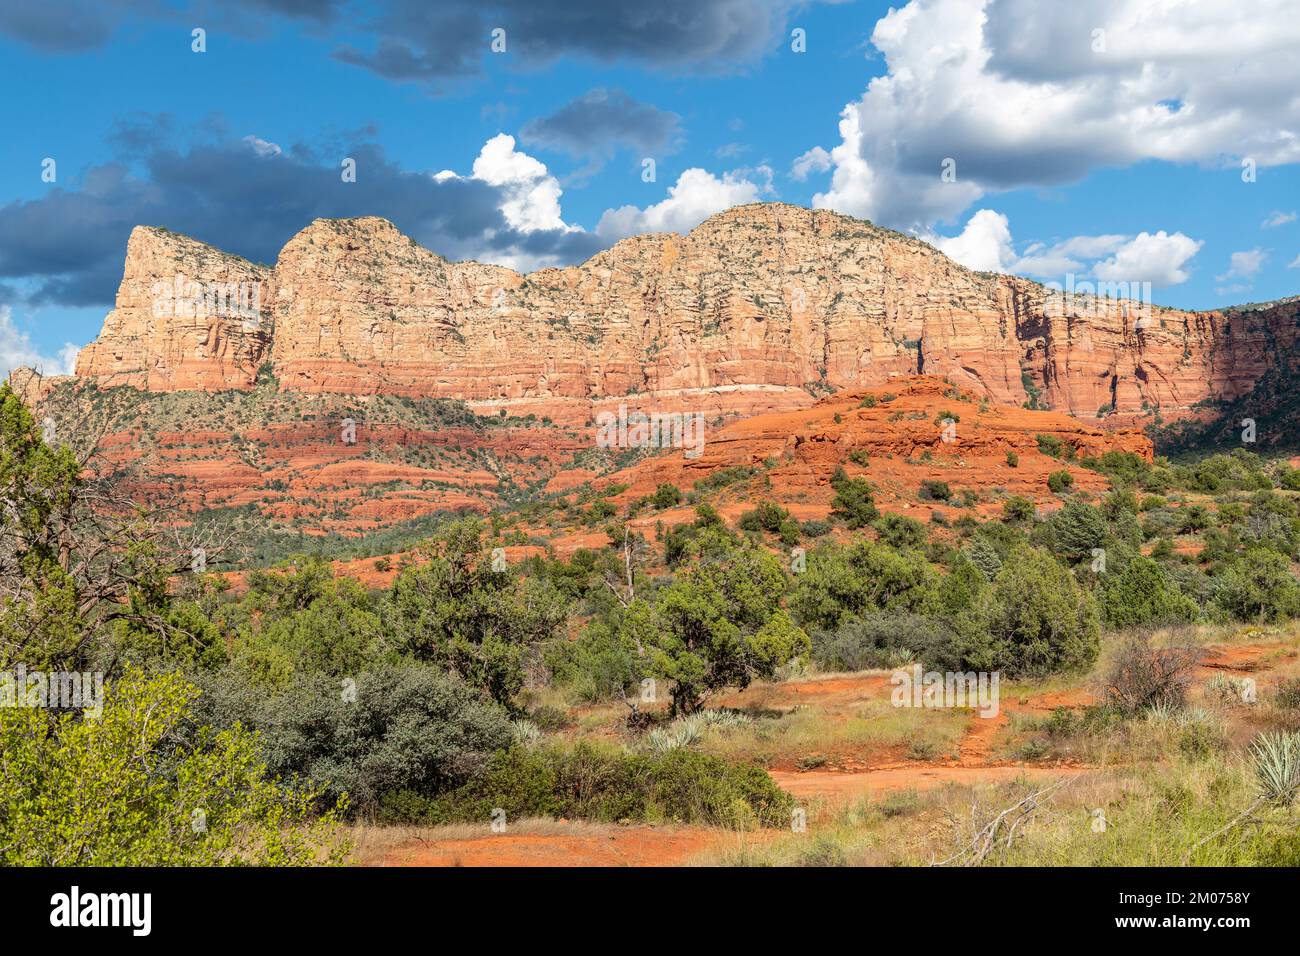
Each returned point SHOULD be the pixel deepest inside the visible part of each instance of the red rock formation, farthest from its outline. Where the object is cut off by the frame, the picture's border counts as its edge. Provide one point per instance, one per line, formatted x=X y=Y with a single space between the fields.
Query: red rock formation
x=759 y=308
x=896 y=444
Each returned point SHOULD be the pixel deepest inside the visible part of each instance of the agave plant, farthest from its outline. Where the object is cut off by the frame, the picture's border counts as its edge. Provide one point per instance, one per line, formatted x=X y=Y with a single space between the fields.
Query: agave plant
x=1161 y=711
x=688 y=731
x=1227 y=689
x=722 y=719
x=1276 y=759
x=526 y=733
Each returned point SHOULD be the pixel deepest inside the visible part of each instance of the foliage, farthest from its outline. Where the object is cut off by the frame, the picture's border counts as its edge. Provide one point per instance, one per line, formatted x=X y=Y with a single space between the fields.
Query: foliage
x=400 y=726
x=456 y=611
x=718 y=623
x=591 y=782
x=114 y=790
x=854 y=502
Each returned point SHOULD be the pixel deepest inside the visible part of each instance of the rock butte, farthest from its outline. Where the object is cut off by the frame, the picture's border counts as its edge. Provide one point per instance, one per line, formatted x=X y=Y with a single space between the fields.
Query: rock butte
x=759 y=308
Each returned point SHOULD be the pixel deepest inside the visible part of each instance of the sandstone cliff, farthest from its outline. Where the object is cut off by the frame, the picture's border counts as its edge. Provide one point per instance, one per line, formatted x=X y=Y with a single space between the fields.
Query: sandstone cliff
x=762 y=307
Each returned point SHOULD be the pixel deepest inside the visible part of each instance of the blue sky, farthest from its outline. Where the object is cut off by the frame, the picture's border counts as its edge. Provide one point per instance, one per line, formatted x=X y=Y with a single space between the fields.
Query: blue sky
x=1113 y=155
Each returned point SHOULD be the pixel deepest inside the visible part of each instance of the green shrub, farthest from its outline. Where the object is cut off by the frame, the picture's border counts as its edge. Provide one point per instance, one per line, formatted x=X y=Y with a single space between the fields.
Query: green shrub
x=397 y=727
x=1050 y=445
x=1142 y=594
x=900 y=531
x=1017 y=508
x=1060 y=481
x=1039 y=619
x=591 y=782
x=1258 y=587
x=1075 y=530
x=933 y=490
x=666 y=496
x=766 y=516
x=853 y=503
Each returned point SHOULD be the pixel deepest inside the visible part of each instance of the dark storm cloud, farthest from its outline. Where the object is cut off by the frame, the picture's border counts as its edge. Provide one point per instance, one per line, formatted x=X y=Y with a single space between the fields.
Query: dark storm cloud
x=75 y=26
x=70 y=26
x=70 y=243
x=437 y=39
x=420 y=40
x=600 y=122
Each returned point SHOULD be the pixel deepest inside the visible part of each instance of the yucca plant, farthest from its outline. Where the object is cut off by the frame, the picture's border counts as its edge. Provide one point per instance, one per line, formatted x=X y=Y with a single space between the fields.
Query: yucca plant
x=1276 y=761
x=1225 y=688
x=526 y=733
x=1161 y=711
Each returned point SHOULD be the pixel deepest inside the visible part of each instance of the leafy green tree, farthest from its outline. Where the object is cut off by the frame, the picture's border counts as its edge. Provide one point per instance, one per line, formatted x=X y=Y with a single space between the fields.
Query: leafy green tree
x=1142 y=594
x=1039 y=619
x=718 y=624
x=984 y=557
x=1075 y=530
x=115 y=790
x=78 y=560
x=840 y=582
x=854 y=502
x=459 y=612
x=1258 y=587
x=900 y=531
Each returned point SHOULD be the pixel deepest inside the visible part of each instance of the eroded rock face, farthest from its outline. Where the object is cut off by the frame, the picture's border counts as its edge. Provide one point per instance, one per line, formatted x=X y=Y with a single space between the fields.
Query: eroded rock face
x=187 y=317
x=760 y=308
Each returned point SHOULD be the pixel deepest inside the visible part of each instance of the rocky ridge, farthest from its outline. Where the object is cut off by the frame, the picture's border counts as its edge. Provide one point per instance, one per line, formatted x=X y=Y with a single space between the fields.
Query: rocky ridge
x=760 y=308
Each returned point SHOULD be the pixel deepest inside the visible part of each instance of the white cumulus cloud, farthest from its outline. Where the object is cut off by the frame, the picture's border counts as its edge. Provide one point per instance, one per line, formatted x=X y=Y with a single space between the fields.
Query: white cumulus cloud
x=1158 y=258
x=17 y=349
x=986 y=244
x=1018 y=93
x=695 y=196
x=1244 y=265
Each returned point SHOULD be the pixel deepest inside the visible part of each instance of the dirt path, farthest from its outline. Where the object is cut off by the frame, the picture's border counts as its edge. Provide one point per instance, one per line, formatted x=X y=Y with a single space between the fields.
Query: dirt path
x=836 y=787
x=1240 y=658
x=567 y=845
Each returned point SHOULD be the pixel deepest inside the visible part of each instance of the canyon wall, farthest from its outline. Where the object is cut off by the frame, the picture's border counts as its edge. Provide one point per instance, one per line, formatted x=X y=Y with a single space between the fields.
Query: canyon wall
x=762 y=307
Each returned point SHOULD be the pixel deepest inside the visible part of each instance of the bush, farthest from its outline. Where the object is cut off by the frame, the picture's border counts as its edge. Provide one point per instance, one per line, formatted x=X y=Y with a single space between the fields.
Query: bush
x=666 y=496
x=1017 y=508
x=398 y=727
x=767 y=516
x=841 y=582
x=1013 y=459
x=932 y=490
x=128 y=788
x=1075 y=530
x=1142 y=676
x=816 y=528
x=879 y=639
x=900 y=531
x=1060 y=481
x=1258 y=587
x=1040 y=621
x=591 y=782
x=1142 y=594
x=1050 y=445
x=853 y=503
